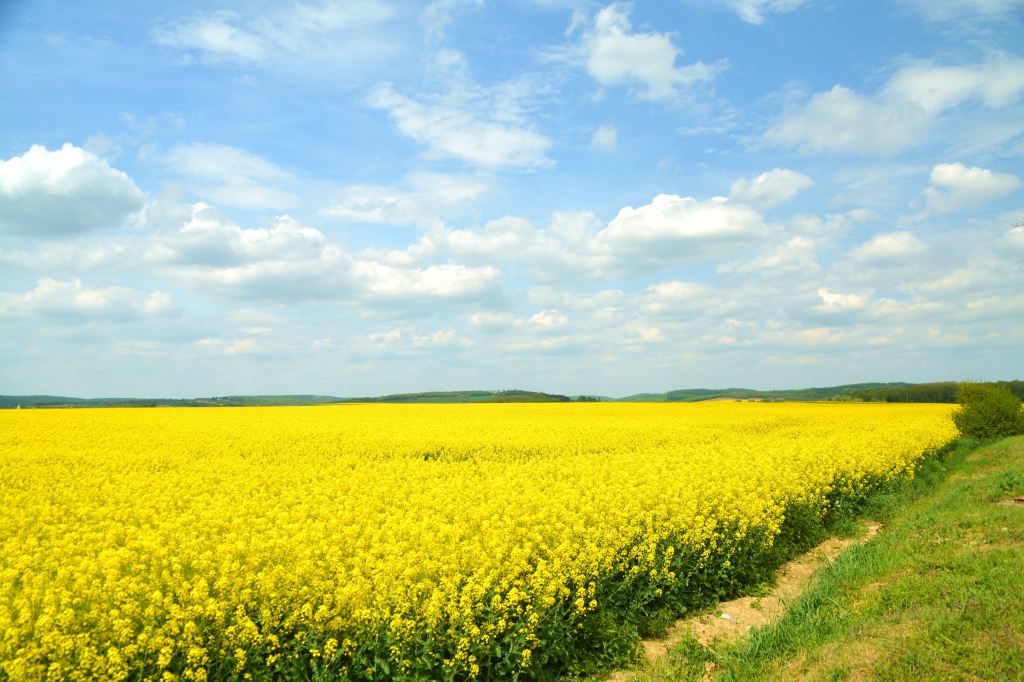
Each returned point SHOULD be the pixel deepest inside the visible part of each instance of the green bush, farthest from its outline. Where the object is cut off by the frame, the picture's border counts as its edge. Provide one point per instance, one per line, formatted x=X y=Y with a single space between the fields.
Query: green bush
x=988 y=412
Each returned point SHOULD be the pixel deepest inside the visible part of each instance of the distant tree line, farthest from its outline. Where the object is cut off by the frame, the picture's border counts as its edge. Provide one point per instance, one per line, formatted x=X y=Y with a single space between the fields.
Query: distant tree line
x=938 y=392
x=518 y=396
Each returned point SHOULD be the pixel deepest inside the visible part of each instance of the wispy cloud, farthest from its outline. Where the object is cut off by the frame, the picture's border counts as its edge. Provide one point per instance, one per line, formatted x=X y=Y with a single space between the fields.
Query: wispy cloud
x=478 y=126
x=769 y=189
x=756 y=11
x=950 y=10
x=605 y=138
x=421 y=199
x=331 y=31
x=900 y=114
x=231 y=176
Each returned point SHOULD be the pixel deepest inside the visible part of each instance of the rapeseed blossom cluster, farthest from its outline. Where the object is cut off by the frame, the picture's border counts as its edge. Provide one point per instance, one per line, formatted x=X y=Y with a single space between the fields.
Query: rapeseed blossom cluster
x=391 y=541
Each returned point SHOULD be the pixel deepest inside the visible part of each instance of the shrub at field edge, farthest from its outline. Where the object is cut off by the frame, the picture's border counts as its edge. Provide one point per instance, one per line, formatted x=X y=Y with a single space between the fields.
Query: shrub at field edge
x=988 y=412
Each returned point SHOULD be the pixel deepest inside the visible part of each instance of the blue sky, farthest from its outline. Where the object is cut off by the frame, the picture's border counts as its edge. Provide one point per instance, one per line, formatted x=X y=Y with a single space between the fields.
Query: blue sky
x=377 y=196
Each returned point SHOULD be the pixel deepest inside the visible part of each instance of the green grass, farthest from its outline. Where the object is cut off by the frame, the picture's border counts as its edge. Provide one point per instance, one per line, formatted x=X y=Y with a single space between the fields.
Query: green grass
x=938 y=595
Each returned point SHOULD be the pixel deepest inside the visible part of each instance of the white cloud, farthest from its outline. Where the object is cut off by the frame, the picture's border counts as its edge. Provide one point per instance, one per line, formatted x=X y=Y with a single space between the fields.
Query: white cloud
x=1013 y=241
x=674 y=295
x=755 y=11
x=579 y=301
x=492 y=320
x=480 y=128
x=385 y=339
x=648 y=333
x=329 y=30
x=832 y=225
x=209 y=239
x=548 y=319
x=498 y=240
x=984 y=274
x=442 y=337
x=835 y=302
x=816 y=336
x=769 y=189
x=240 y=346
x=65 y=258
x=617 y=55
x=955 y=186
x=445 y=281
x=672 y=227
x=898 y=117
x=290 y=261
x=528 y=346
x=794 y=257
x=574 y=228
x=333 y=275
x=605 y=139
x=226 y=347
x=669 y=230
x=231 y=176
x=891 y=247
x=72 y=300
x=495 y=238
x=905 y=310
x=676 y=290
x=409 y=341
x=65 y=192
x=453 y=279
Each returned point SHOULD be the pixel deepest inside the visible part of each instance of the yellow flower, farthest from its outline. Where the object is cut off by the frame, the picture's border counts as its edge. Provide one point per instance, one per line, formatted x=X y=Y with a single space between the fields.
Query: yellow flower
x=179 y=537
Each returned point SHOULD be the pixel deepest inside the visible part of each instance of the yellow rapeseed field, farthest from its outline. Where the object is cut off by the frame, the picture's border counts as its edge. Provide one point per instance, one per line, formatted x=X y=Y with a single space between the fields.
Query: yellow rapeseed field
x=389 y=541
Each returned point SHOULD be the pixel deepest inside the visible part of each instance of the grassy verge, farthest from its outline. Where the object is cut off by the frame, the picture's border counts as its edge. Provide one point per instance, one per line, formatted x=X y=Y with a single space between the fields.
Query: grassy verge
x=937 y=595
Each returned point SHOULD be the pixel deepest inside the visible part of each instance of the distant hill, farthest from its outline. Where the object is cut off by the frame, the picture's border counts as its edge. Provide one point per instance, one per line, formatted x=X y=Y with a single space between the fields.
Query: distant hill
x=692 y=395
x=936 y=392
x=12 y=401
x=39 y=401
x=511 y=396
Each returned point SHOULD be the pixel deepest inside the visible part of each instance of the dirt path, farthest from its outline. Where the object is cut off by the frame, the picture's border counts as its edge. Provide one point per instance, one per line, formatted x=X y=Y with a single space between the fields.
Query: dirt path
x=732 y=619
